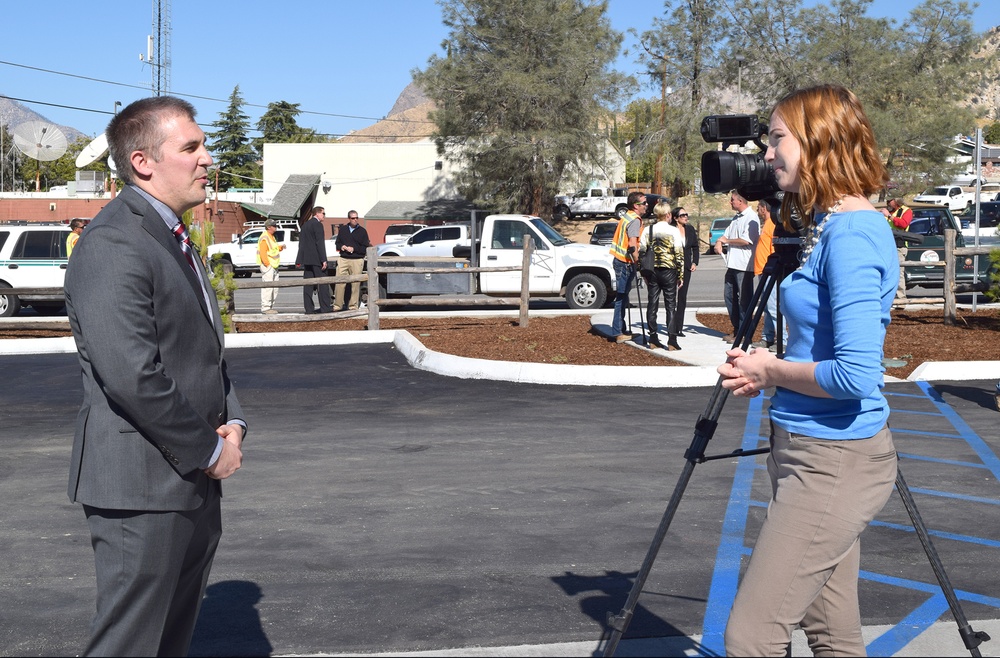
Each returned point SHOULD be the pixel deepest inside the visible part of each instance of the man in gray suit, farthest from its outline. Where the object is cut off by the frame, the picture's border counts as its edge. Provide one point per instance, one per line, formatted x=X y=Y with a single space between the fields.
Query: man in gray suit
x=160 y=424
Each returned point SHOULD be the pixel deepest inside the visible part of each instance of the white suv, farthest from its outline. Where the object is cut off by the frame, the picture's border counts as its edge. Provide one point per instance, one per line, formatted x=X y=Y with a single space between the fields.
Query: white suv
x=32 y=255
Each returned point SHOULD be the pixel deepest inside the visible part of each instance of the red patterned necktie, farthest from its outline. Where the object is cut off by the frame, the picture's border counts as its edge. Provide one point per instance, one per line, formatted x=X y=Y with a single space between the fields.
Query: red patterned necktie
x=180 y=232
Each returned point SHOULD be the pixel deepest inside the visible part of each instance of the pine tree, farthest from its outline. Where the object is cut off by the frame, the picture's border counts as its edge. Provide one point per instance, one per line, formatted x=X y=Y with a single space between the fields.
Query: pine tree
x=233 y=153
x=520 y=94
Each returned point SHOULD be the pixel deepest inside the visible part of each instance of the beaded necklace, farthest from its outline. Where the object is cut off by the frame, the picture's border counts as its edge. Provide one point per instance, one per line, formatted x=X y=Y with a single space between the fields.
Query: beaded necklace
x=817 y=232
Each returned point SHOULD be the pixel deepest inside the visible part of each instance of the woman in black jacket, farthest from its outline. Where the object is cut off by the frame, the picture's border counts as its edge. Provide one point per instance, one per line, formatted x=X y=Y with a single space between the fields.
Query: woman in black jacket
x=691 y=253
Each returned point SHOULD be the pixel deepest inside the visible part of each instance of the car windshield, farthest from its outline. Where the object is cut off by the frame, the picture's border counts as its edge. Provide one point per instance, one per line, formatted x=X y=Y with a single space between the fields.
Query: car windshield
x=930 y=221
x=604 y=230
x=552 y=235
x=721 y=223
x=936 y=191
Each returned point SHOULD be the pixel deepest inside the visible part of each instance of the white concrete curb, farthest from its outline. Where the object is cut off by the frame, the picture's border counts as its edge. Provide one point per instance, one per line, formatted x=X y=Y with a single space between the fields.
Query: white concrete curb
x=703 y=350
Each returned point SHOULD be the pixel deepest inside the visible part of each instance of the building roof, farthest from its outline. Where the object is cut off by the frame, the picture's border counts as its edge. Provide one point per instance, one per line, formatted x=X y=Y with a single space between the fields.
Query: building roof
x=293 y=194
x=440 y=209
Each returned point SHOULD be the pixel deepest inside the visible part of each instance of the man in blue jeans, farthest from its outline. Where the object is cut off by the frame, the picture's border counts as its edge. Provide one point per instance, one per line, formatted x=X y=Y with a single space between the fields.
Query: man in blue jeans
x=625 y=250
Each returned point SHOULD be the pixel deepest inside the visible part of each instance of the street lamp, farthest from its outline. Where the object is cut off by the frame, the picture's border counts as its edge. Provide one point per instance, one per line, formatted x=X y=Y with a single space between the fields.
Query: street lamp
x=739 y=82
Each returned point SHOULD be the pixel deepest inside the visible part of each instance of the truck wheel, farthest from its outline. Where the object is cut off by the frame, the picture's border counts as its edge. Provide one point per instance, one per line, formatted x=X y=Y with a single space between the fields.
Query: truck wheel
x=561 y=212
x=10 y=305
x=586 y=291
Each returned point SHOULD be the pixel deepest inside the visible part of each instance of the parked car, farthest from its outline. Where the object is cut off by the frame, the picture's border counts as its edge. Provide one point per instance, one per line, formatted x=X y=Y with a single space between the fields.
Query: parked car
x=989 y=215
x=931 y=222
x=430 y=241
x=603 y=232
x=32 y=255
x=651 y=201
x=401 y=232
x=989 y=218
x=717 y=230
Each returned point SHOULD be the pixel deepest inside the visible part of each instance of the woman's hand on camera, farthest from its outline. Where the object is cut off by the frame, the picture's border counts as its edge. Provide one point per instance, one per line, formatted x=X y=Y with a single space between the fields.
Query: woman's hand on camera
x=746 y=373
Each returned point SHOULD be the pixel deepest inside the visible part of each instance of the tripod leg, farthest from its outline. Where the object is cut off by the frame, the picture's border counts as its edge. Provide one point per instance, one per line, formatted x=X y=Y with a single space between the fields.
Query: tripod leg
x=971 y=638
x=704 y=430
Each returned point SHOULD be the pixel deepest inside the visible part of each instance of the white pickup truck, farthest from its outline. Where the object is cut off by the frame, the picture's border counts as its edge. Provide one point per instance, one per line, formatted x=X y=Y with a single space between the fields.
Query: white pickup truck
x=241 y=253
x=952 y=196
x=595 y=202
x=581 y=273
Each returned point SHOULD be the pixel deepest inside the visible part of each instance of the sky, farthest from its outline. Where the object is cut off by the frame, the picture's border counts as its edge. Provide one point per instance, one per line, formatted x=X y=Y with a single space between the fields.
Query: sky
x=345 y=62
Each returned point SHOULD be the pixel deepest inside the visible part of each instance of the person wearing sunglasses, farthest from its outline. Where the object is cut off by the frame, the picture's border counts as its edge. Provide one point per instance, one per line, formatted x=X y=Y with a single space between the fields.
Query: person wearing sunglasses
x=625 y=253
x=691 y=253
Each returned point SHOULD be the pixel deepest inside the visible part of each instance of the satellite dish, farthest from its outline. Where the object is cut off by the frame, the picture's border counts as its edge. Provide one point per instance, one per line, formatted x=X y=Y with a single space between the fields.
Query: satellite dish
x=92 y=151
x=40 y=140
x=112 y=166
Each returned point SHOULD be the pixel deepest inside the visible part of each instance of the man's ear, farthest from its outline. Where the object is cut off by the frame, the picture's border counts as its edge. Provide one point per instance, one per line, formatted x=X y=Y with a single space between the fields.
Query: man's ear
x=140 y=163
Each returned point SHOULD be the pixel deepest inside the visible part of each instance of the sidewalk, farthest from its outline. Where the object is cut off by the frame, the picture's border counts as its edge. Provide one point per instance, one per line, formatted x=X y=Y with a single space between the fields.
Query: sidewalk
x=703 y=350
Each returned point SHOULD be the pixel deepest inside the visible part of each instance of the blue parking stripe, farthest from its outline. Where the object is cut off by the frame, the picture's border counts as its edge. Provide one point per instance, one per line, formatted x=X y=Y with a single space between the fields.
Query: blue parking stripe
x=913 y=432
x=732 y=544
x=979 y=446
x=938 y=460
x=909 y=628
x=990 y=543
x=943 y=494
x=913 y=412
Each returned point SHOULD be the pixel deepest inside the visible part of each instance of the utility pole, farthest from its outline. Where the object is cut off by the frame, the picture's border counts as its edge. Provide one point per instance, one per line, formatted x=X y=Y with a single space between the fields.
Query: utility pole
x=658 y=171
x=739 y=83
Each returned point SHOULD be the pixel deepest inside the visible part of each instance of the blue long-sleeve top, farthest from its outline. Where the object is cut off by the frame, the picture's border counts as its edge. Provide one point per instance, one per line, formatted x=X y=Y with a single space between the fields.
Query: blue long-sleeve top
x=837 y=307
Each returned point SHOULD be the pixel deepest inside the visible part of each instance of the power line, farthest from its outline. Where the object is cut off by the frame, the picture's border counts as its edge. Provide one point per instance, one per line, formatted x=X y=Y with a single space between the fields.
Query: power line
x=204 y=98
x=208 y=125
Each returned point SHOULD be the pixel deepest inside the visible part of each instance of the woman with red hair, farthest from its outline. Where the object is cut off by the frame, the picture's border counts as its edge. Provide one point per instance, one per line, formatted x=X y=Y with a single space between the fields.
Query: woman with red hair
x=832 y=462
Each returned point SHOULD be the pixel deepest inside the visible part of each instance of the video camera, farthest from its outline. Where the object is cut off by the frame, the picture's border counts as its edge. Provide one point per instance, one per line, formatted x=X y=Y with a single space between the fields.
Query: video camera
x=724 y=170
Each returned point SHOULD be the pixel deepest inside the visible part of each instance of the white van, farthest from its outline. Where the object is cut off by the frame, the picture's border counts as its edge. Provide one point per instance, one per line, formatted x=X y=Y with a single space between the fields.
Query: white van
x=32 y=255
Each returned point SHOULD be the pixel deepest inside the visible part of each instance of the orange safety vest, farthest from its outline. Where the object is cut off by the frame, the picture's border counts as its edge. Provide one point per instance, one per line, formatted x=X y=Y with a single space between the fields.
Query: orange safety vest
x=71 y=243
x=897 y=214
x=268 y=248
x=619 y=244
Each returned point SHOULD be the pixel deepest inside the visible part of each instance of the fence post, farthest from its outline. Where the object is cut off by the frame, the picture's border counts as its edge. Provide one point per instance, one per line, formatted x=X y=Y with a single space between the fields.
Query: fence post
x=950 y=306
x=522 y=320
x=371 y=256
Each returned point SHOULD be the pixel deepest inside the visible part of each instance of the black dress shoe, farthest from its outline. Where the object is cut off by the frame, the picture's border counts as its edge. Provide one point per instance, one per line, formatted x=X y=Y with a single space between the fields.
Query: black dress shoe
x=672 y=344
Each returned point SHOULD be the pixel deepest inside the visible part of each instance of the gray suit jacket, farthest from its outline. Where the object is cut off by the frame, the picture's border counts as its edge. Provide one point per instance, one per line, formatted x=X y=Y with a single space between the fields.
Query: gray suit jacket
x=155 y=384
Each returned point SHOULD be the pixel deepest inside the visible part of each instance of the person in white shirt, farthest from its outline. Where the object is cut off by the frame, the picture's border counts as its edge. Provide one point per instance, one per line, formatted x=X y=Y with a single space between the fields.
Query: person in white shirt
x=737 y=247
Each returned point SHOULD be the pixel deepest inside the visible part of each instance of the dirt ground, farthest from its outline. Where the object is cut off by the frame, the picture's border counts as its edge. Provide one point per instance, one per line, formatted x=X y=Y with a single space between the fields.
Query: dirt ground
x=914 y=336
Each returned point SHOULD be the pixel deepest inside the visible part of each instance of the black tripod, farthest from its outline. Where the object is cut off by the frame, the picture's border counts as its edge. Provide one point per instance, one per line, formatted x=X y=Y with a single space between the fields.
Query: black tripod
x=777 y=267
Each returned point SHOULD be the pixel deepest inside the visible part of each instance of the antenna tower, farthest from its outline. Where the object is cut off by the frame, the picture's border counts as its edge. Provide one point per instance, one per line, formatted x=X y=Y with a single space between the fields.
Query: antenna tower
x=158 y=48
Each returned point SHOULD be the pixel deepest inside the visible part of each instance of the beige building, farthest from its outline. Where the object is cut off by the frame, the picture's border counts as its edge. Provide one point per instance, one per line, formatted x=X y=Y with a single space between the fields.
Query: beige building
x=357 y=176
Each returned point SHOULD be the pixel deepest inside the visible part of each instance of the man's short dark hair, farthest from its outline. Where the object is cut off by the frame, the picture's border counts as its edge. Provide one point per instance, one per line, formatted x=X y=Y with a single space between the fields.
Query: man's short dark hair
x=350 y=212
x=633 y=198
x=77 y=223
x=139 y=127
x=317 y=209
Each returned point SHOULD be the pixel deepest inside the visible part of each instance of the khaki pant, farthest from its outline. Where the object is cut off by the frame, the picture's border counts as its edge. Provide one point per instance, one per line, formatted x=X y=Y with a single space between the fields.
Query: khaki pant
x=901 y=287
x=268 y=295
x=348 y=267
x=804 y=566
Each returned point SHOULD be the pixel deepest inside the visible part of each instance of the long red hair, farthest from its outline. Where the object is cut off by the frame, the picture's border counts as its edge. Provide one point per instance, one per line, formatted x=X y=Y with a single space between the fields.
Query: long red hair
x=839 y=154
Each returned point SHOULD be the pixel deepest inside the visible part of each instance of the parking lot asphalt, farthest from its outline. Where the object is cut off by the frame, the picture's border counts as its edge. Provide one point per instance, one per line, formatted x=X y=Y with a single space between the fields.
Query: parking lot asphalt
x=387 y=509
